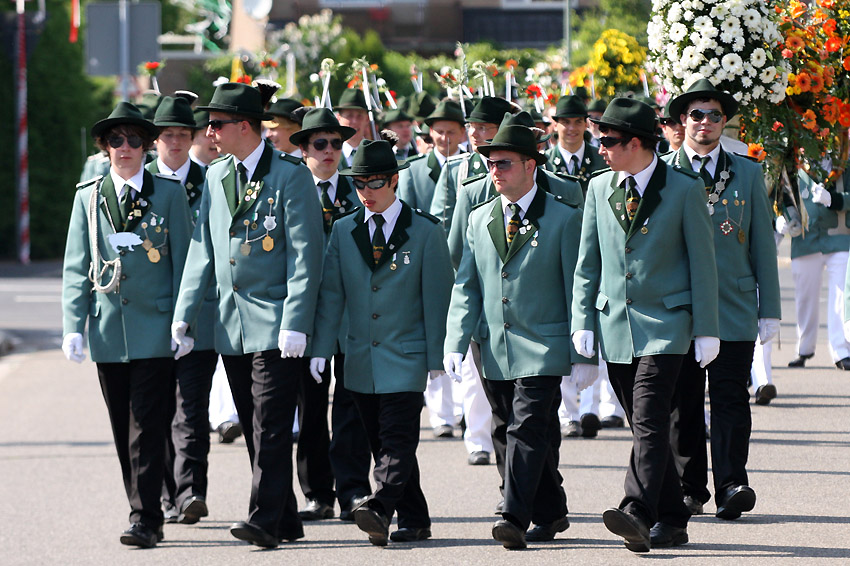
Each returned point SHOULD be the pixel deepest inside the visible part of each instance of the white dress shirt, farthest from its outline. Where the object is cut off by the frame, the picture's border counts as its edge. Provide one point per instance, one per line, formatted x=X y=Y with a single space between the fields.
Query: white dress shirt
x=641 y=178
x=181 y=173
x=524 y=202
x=333 y=180
x=390 y=216
x=567 y=155
x=252 y=160
x=696 y=158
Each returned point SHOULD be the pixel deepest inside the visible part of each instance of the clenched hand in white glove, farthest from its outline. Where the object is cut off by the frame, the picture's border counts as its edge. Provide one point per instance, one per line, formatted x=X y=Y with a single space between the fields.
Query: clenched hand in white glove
x=72 y=347
x=291 y=343
x=451 y=363
x=821 y=196
x=795 y=223
x=317 y=366
x=782 y=226
x=768 y=329
x=583 y=375
x=706 y=349
x=435 y=373
x=584 y=343
x=180 y=343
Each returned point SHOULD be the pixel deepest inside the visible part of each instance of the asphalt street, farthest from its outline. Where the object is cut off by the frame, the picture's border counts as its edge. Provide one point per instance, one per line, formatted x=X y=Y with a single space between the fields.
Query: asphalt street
x=62 y=500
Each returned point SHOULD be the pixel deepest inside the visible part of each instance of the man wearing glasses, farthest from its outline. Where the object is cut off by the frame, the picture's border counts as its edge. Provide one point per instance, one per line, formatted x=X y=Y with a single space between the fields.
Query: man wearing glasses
x=387 y=266
x=645 y=284
x=346 y=456
x=749 y=306
x=259 y=233
x=522 y=239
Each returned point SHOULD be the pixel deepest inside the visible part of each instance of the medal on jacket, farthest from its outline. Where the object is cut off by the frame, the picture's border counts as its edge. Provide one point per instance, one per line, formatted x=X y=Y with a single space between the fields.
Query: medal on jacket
x=153 y=252
x=393 y=265
x=534 y=241
x=406 y=258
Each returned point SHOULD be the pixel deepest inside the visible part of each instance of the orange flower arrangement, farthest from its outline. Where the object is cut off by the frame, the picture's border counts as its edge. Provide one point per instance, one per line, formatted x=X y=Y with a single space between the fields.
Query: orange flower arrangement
x=756 y=151
x=810 y=120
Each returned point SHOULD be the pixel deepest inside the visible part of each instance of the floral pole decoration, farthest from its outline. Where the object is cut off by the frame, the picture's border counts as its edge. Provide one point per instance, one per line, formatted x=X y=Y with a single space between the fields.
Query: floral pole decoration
x=150 y=69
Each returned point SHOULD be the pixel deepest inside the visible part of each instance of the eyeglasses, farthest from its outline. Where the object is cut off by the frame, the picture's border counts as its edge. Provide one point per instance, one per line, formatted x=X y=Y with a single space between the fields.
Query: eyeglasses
x=321 y=143
x=608 y=142
x=713 y=115
x=132 y=140
x=502 y=164
x=373 y=184
x=216 y=125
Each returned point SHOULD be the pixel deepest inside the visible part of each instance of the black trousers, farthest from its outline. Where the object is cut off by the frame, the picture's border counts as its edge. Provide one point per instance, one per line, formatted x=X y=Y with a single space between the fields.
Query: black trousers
x=645 y=389
x=311 y=456
x=188 y=445
x=136 y=395
x=391 y=421
x=264 y=388
x=731 y=421
x=349 y=452
x=527 y=410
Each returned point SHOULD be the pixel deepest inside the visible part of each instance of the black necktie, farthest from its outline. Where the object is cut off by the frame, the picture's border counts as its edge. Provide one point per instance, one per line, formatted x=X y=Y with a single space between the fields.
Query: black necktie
x=327 y=206
x=242 y=185
x=513 y=222
x=378 y=240
x=573 y=165
x=125 y=204
x=632 y=199
x=703 y=172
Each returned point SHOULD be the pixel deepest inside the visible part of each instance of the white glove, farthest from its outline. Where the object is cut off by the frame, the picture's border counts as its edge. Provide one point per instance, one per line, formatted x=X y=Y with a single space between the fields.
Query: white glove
x=451 y=363
x=782 y=225
x=72 y=346
x=583 y=375
x=821 y=196
x=795 y=223
x=584 y=342
x=435 y=373
x=706 y=349
x=768 y=329
x=291 y=343
x=180 y=343
x=317 y=366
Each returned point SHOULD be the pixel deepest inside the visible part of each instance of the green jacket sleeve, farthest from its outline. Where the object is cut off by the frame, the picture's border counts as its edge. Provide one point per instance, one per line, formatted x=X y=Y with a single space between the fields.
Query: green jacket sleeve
x=466 y=301
x=199 y=267
x=331 y=302
x=76 y=287
x=437 y=279
x=588 y=270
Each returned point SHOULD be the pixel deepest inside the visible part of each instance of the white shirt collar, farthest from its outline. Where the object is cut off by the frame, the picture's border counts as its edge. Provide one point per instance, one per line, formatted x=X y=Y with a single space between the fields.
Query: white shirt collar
x=253 y=159
x=182 y=172
x=333 y=180
x=565 y=153
x=297 y=153
x=136 y=181
x=347 y=150
x=194 y=158
x=390 y=216
x=524 y=202
x=714 y=154
x=641 y=178
x=442 y=159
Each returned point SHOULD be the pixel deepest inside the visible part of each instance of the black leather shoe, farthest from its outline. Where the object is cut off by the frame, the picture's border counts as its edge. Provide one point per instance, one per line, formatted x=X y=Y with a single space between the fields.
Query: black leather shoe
x=571 y=430
x=736 y=500
x=800 y=361
x=544 y=533
x=511 y=536
x=765 y=394
x=590 y=425
x=443 y=431
x=612 y=421
x=290 y=536
x=228 y=431
x=628 y=526
x=663 y=535
x=479 y=458
x=316 y=511
x=193 y=509
x=257 y=536
x=693 y=504
x=141 y=536
x=346 y=512
x=373 y=524
x=500 y=506
x=843 y=364
x=408 y=534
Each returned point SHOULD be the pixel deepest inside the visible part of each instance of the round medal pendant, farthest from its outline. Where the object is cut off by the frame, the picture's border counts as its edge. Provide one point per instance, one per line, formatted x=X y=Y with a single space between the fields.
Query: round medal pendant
x=726 y=227
x=268 y=243
x=533 y=243
x=253 y=226
x=393 y=266
x=158 y=229
x=153 y=255
x=713 y=198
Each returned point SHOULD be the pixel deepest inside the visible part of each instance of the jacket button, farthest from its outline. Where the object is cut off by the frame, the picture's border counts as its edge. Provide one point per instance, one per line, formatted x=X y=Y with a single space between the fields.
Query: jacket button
x=504 y=300
x=504 y=275
x=232 y=233
x=375 y=316
x=507 y=325
x=124 y=301
x=123 y=276
x=122 y=252
x=629 y=275
x=232 y=261
x=375 y=288
x=235 y=287
x=374 y=343
x=628 y=301
x=628 y=250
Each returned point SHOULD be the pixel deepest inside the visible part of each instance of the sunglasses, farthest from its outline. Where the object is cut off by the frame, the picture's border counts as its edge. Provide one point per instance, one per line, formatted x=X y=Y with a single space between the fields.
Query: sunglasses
x=608 y=142
x=668 y=122
x=132 y=140
x=502 y=164
x=373 y=184
x=713 y=115
x=321 y=143
x=216 y=125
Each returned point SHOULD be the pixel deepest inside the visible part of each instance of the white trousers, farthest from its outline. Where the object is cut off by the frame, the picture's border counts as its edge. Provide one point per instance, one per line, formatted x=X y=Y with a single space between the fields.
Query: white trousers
x=222 y=408
x=761 y=373
x=439 y=398
x=478 y=436
x=598 y=399
x=807 y=271
x=609 y=405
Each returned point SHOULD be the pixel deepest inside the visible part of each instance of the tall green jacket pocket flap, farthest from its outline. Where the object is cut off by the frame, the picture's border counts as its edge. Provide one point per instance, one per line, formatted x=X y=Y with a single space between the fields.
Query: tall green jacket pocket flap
x=483 y=330
x=165 y=304
x=277 y=291
x=601 y=301
x=681 y=299
x=747 y=283
x=555 y=329
x=413 y=346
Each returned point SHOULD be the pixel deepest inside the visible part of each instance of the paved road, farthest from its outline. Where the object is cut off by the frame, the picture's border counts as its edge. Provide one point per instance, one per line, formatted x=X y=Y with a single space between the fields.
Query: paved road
x=62 y=502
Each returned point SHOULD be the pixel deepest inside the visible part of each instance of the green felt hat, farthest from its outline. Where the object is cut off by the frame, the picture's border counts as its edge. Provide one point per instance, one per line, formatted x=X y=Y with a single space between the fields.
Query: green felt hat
x=648 y=100
x=202 y=118
x=352 y=98
x=237 y=98
x=525 y=119
x=397 y=115
x=598 y=105
x=374 y=158
x=490 y=109
x=447 y=110
x=174 y=111
x=283 y=107
x=703 y=89
x=581 y=92
x=520 y=139
x=320 y=120
x=571 y=106
x=666 y=112
x=124 y=113
x=421 y=105
x=631 y=116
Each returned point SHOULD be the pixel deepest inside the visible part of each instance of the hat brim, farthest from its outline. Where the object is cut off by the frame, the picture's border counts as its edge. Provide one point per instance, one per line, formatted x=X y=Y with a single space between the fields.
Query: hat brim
x=570 y=115
x=354 y=172
x=538 y=157
x=679 y=104
x=430 y=121
x=301 y=136
x=108 y=123
x=350 y=107
x=232 y=110
x=623 y=127
x=175 y=124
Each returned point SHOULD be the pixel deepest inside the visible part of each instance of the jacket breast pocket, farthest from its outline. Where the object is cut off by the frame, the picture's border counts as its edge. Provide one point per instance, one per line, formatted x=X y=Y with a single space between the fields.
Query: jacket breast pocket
x=277 y=291
x=413 y=346
x=601 y=301
x=555 y=329
x=680 y=300
x=747 y=283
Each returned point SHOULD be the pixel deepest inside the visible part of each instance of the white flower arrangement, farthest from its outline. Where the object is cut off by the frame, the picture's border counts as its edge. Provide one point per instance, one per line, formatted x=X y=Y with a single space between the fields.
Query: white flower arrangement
x=728 y=42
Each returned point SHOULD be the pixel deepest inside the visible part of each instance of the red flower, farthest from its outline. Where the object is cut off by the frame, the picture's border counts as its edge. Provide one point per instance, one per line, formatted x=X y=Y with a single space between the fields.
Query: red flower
x=777 y=126
x=833 y=44
x=244 y=79
x=829 y=26
x=846 y=63
x=787 y=53
x=152 y=65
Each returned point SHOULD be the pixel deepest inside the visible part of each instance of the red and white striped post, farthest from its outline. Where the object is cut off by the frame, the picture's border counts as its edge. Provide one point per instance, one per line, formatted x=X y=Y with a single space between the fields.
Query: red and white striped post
x=23 y=152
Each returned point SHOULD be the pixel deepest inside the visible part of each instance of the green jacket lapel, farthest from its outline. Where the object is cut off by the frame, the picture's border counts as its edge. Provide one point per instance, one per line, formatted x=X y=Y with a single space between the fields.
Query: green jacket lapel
x=144 y=202
x=433 y=166
x=228 y=184
x=345 y=201
x=109 y=203
x=193 y=182
x=399 y=235
x=361 y=238
x=535 y=211
x=617 y=201
x=651 y=197
x=263 y=168
x=496 y=228
x=557 y=160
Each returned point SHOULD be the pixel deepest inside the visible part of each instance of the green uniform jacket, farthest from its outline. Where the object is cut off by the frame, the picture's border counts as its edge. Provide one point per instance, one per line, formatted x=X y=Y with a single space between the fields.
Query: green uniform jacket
x=457 y=169
x=397 y=317
x=95 y=165
x=829 y=228
x=742 y=267
x=516 y=299
x=591 y=163
x=133 y=322
x=265 y=291
x=476 y=190
x=648 y=289
x=416 y=183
